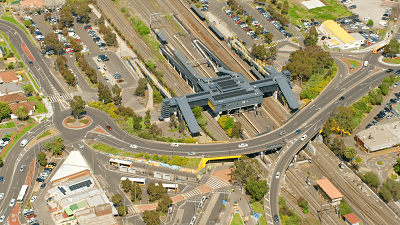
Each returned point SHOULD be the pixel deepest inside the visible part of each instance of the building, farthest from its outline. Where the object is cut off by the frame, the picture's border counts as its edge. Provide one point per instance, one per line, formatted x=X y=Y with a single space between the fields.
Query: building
x=359 y=38
x=11 y=88
x=329 y=191
x=32 y=4
x=8 y=77
x=334 y=31
x=13 y=98
x=379 y=137
x=75 y=195
x=30 y=106
x=351 y=219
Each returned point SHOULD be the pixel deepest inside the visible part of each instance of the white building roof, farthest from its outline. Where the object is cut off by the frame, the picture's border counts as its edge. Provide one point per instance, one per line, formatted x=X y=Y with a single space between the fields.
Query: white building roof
x=357 y=36
x=74 y=163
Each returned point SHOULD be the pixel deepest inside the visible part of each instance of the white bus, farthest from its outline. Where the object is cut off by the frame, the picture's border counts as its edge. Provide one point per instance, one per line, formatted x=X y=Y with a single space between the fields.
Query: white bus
x=22 y=193
x=139 y=181
x=170 y=187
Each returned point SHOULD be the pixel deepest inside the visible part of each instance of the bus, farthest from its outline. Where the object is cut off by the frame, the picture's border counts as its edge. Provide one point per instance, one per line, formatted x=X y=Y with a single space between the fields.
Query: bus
x=139 y=181
x=379 y=48
x=22 y=193
x=170 y=187
x=119 y=162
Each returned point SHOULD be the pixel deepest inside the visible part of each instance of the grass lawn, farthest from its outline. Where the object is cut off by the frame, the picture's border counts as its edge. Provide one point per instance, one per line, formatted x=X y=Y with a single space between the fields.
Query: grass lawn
x=3 y=43
x=33 y=81
x=258 y=208
x=395 y=60
x=44 y=134
x=353 y=62
x=111 y=150
x=18 y=136
x=33 y=99
x=44 y=119
x=12 y=20
x=330 y=12
x=237 y=220
x=40 y=108
x=8 y=125
x=9 y=44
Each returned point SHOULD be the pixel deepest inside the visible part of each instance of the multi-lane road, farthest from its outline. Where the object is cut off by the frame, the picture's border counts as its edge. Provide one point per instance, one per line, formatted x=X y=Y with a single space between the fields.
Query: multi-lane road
x=309 y=120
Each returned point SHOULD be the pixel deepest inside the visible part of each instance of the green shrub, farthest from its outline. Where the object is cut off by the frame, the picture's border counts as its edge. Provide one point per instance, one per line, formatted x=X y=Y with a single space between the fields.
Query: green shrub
x=70 y=120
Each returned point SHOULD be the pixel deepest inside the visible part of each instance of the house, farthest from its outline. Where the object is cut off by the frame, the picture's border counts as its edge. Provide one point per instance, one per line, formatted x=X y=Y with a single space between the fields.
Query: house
x=351 y=219
x=30 y=106
x=329 y=191
x=11 y=88
x=8 y=77
x=11 y=60
x=13 y=98
x=3 y=66
x=333 y=30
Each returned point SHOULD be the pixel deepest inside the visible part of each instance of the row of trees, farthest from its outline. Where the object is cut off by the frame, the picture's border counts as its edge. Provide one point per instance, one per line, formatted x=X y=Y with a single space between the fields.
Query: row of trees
x=283 y=7
x=261 y=53
x=345 y=152
x=107 y=96
x=232 y=128
x=85 y=67
x=388 y=191
x=109 y=37
x=61 y=64
x=56 y=147
x=80 y=8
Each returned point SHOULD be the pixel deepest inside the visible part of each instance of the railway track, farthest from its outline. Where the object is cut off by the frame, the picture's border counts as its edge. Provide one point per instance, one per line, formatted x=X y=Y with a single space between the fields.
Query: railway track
x=366 y=207
x=121 y=22
x=248 y=128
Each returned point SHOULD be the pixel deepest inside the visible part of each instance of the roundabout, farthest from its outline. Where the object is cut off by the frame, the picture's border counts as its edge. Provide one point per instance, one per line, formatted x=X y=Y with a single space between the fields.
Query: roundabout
x=77 y=124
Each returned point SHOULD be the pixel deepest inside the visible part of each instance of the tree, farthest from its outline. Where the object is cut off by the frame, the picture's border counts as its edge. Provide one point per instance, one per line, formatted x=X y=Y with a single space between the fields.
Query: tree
x=371 y=179
x=61 y=62
x=259 y=30
x=126 y=185
x=312 y=37
x=240 y=10
x=393 y=187
x=164 y=203
x=272 y=52
x=21 y=112
x=384 y=88
x=155 y=192
x=1 y=161
x=117 y=94
x=268 y=37
x=122 y=210
x=344 y=208
x=41 y=157
x=259 y=51
x=104 y=93
x=147 y=118
x=141 y=88
x=51 y=41
x=257 y=189
x=5 y=110
x=66 y=16
x=151 y=217
x=285 y=8
x=237 y=129
x=222 y=120
x=82 y=10
x=117 y=199
x=154 y=129
x=230 y=122
x=75 y=45
x=181 y=127
x=396 y=166
x=138 y=192
x=110 y=39
x=358 y=161
x=197 y=111
x=202 y=121
x=370 y=22
x=392 y=47
x=27 y=23
x=279 y=5
x=350 y=152
x=47 y=16
x=385 y=194
x=249 y=20
x=77 y=106
x=136 y=122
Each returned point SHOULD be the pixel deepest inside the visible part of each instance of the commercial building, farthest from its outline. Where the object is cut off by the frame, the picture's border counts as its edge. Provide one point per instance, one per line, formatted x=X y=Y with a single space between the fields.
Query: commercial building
x=76 y=196
x=227 y=93
x=379 y=137
x=359 y=38
x=329 y=191
x=334 y=31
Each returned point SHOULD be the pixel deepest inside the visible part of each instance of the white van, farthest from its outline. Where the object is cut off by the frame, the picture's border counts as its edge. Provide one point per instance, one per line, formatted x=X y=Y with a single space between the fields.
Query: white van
x=24 y=142
x=366 y=63
x=383 y=23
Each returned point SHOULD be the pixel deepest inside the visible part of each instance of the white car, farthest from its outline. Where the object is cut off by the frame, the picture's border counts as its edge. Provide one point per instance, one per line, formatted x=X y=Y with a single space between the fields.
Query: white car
x=366 y=19
x=1 y=195
x=33 y=198
x=2 y=218
x=303 y=137
x=192 y=153
x=12 y=203
x=133 y=146
x=365 y=28
x=175 y=145
x=243 y=145
x=277 y=175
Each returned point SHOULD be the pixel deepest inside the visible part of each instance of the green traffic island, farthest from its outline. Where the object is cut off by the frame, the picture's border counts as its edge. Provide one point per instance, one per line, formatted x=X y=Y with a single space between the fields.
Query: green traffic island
x=394 y=60
x=352 y=64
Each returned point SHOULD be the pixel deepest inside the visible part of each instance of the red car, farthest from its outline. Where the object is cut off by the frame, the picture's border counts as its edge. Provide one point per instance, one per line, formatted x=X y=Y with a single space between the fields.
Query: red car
x=108 y=127
x=247 y=29
x=239 y=21
x=78 y=39
x=233 y=15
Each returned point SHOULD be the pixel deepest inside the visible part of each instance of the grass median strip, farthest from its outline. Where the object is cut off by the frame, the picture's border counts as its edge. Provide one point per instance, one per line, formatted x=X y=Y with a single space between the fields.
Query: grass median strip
x=18 y=136
x=11 y=45
x=12 y=20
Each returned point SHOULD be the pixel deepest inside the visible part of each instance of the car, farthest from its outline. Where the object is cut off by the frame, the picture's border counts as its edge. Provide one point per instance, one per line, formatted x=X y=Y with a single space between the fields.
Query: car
x=276 y=217
x=243 y=145
x=303 y=137
x=1 y=179
x=353 y=7
x=43 y=185
x=192 y=153
x=48 y=170
x=8 y=139
x=133 y=146
x=108 y=127
x=397 y=72
x=2 y=218
x=389 y=116
x=389 y=70
x=22 y=168
x=395 y=85
x=174 y=145
x=1 y=195
x=39 y=179
x=368 y=126
x=12 y=203
x=33 y=198
x=278 y=174
x=374 y=122
x=341 y=98
x=52 y=163
x=297 y=131
x=366 y=19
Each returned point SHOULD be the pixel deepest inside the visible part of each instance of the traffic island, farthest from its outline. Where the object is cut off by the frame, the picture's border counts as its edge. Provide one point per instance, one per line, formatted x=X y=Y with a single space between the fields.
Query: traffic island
x=352 y=64
x=73 y=123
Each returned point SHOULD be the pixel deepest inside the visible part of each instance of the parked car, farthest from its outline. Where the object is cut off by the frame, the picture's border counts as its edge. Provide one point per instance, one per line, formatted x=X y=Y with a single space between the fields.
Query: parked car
x=42 y=186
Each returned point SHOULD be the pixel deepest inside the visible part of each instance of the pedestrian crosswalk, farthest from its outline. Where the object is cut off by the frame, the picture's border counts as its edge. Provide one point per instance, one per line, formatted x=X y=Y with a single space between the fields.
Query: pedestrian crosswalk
x=59 y=97
x=216 y=183
x=192 y=193
x=284 y=39
x=132 y=209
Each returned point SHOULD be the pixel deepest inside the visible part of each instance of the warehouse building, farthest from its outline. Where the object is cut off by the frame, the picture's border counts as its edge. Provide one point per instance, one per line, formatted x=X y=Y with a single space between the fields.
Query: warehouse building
x=334 y=31
x=379 y=137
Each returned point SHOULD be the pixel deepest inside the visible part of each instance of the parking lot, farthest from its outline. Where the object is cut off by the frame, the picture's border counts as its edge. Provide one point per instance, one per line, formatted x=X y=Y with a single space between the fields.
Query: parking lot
x=369 y=8
x=113 y=65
